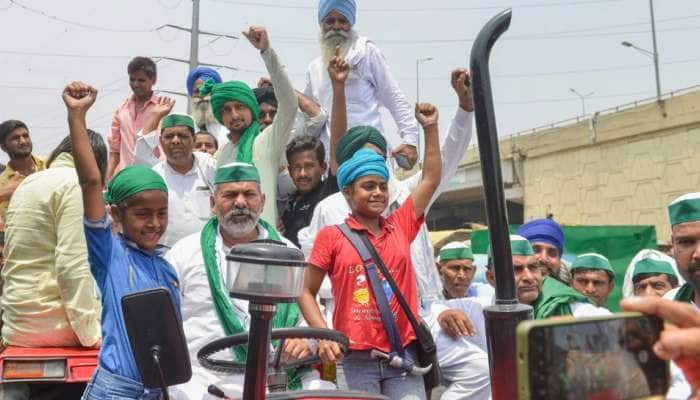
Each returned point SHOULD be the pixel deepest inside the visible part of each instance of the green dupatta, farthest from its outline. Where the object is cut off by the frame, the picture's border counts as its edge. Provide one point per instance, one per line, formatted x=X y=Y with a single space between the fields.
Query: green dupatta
x=287 y=314
x=685 y=294
x=554 y=299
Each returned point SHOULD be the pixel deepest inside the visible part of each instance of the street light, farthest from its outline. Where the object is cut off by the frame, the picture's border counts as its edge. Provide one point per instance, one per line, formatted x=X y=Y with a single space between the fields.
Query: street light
x=653 y=54
x=583 y=99
x=418 y=61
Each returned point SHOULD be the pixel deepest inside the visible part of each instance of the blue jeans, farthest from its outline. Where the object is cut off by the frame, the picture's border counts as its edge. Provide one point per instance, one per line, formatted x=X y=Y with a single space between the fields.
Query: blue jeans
x=364 y=373
x=105 y=385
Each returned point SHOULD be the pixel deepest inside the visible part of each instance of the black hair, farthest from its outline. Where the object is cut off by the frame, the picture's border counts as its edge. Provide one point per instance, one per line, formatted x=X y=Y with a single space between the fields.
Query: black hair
x=99 y=149
x=144 y=64
x=611 y=276
x=216 y=142
x=8 y=126
x=265 y=94
x=305 y=143
x=672 y=279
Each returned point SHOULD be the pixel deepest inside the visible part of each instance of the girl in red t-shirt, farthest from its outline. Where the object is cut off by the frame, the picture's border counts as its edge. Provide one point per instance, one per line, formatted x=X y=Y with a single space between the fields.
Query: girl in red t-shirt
x=363 y=180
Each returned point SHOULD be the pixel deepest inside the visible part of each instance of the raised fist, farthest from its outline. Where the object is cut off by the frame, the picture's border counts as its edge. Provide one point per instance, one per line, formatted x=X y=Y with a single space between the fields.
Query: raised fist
x=426 y=114
x=79 y=96
x=461 y=86
x=257 y=36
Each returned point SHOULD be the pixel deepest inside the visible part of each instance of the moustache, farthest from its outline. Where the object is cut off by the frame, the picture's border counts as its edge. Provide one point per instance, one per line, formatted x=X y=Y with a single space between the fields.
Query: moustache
x=238 y=212
x=693 y=267
x=336 y=34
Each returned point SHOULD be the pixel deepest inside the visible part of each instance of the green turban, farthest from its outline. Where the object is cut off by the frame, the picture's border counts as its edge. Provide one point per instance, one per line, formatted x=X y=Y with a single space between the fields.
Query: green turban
x=132 y=180
x=240 y=92
x=177 y=120
x=355 y=138
x=236 y=172
x=592 y=261
x=455 y=251
x=685 y=209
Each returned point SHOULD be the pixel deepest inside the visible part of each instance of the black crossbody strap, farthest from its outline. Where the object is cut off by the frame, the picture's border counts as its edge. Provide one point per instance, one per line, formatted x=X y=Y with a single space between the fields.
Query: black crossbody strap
x=399 y=297
x=380 y=297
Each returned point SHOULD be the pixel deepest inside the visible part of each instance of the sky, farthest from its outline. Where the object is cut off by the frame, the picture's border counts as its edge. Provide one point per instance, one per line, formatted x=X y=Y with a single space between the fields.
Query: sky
x=551 y=47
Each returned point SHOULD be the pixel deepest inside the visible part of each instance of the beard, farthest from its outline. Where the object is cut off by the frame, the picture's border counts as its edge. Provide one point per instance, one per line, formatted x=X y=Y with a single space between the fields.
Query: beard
x=17 y=154
x=236 y=228
x=202 y=113
x=334 y=38
x=693 y=278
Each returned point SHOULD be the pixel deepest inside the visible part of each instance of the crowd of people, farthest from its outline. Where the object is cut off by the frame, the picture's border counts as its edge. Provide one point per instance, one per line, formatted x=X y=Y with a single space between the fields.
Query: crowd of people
x=166 y=197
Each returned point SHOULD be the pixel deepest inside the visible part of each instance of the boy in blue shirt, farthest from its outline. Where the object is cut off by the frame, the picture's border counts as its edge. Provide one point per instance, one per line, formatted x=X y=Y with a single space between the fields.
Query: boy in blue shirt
x=128 y=262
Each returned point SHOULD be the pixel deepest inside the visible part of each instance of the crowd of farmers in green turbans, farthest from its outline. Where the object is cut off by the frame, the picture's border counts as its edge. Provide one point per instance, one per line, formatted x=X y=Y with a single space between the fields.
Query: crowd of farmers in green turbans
x=163 y=200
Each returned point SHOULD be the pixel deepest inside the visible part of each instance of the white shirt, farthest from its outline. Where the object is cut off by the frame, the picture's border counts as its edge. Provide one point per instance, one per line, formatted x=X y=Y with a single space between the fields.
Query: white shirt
x=219 y=131
x=334 y=209
x=270 y=144
x=199 y=319
x=189 y=205
x=463 y=361
x=369 y=85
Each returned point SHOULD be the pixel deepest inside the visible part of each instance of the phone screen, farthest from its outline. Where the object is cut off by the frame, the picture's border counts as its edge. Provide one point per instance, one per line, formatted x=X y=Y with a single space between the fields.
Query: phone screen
x=591 y=360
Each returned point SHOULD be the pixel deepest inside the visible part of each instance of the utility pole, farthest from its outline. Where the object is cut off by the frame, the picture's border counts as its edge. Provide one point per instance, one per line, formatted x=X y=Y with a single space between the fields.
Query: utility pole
x=656 y=52
x=653 y=54
x=194 y=44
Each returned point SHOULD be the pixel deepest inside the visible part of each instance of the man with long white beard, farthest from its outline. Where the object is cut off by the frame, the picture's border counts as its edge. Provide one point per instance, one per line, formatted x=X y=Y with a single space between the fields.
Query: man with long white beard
x=369 y=85
x=200 y=262
x=201 y=105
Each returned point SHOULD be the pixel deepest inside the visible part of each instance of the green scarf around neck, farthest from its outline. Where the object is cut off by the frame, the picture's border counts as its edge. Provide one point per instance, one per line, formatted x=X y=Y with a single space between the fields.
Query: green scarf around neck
x=685 y=294
x=554 y=299
x=287 y=314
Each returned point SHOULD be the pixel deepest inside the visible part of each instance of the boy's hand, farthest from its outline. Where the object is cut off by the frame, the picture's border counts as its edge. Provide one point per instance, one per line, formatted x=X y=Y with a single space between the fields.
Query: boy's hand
x=338 y=68
x=79 y=96
x=164 y=105
x=257 y=36
x=426 y=114
x=460 y=80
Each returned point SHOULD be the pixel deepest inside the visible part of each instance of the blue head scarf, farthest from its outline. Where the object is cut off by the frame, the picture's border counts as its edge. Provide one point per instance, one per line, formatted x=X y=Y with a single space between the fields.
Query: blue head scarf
x=203 y=73
x=347 y=8
x=364 y=162
x=543 y=230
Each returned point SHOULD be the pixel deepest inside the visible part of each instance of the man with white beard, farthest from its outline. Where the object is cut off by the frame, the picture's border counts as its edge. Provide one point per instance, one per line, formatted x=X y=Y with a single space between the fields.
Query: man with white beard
x=201 y=105
x=208 y=313
x=369 y=85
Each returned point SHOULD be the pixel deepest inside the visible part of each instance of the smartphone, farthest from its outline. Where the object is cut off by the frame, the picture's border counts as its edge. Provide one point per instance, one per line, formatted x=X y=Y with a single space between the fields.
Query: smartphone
x=591 y=358
x=402 y=161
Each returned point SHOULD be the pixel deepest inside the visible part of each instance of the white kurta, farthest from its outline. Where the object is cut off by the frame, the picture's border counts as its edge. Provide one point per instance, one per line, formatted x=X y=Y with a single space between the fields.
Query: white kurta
x=680 y=388
x=464 y=362
x=189 y=204
x=219 y=131
x=334 y=209
x=270 y=144
x=369 y=86
x=200 y=321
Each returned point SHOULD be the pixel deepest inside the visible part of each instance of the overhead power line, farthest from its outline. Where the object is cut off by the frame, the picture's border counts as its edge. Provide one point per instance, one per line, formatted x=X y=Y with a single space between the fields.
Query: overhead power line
x=75 y=23
x=420 y=9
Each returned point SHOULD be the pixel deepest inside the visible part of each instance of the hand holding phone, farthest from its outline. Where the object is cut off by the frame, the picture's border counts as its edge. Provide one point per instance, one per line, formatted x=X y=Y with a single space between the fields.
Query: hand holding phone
x=606 y=357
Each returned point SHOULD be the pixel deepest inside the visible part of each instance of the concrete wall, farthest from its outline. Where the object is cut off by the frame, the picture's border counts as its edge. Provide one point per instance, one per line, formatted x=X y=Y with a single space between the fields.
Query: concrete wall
x=637 y=162
x=623 y=169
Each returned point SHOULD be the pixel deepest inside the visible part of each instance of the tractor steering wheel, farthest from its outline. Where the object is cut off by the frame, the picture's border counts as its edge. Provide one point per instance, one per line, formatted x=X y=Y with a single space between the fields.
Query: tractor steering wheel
x=204 y=355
